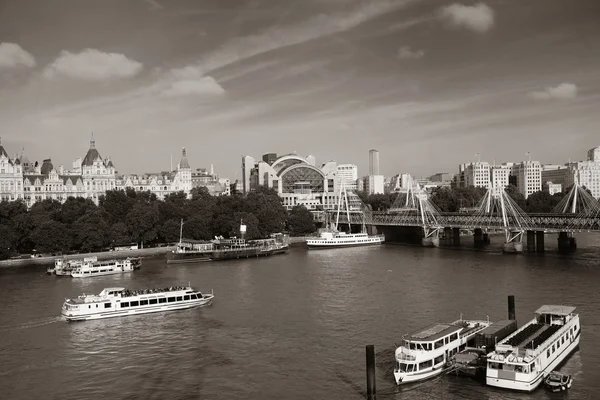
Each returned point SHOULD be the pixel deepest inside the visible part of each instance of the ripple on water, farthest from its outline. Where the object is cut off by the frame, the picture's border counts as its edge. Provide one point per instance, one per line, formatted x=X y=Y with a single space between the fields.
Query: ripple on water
x=290 y=327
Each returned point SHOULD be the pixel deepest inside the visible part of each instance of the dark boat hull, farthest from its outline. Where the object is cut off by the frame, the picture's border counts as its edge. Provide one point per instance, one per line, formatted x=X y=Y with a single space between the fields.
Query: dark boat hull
x=245 y=253
x=180 y=258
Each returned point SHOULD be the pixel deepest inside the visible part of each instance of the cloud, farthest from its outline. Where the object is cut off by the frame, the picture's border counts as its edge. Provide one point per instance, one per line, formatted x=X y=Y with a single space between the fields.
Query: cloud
x=478 y=18
x=206 y=85
x=92 y=64
x=12 y=55
x=190 y=81
x=405 y=53
x=562 y=91
x=313 y=28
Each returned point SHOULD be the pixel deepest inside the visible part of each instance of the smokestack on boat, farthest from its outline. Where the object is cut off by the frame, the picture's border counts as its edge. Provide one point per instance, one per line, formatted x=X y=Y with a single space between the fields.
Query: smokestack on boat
x=511 y=307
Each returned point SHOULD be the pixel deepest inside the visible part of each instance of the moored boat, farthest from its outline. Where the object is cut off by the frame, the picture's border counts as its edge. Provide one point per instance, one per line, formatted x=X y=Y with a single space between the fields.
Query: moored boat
x=64 y=266
x=120 y=302
x=558 y=382
x=101 y=268
x=188 y=251
x=427 y=352
x=522 y=360
x=333 y=238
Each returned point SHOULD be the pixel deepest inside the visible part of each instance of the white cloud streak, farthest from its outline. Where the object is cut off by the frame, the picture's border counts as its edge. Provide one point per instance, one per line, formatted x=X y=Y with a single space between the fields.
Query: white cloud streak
x=93 y=65
x=12 y=55
x=559 y=92
x=406 y=53
x=478 y=18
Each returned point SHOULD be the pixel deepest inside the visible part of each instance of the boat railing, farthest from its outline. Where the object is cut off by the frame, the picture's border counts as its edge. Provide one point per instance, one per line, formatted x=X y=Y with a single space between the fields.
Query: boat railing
x=406 y=357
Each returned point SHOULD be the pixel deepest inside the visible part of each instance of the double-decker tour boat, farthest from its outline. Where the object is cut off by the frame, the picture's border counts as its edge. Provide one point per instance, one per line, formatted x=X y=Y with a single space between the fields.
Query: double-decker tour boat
x=110 y=267
x=524 y=359
x=63 y=266
x=332 y=238
x=427 y=352
x=121 y=302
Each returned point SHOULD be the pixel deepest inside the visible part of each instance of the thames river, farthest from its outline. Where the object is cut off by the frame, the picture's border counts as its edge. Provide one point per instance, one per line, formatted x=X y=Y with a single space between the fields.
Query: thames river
x=292 y=326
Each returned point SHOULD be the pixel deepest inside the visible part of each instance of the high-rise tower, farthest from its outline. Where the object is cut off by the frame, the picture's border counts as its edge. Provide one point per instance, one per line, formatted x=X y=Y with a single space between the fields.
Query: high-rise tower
x=373 y=162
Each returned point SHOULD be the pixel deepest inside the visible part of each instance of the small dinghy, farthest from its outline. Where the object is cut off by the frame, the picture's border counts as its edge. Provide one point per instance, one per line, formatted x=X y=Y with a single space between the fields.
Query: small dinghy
x=557 y=381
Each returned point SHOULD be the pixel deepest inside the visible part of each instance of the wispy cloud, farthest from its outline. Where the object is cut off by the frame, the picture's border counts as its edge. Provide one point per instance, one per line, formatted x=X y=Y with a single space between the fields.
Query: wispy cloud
x=478 y=18
x=92 y=64
x=406 y=53
x=12 y=55
x=283 y=36
x=560 y=92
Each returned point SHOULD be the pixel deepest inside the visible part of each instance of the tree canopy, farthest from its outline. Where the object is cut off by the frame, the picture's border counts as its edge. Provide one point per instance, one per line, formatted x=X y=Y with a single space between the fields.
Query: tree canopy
x=127 y=216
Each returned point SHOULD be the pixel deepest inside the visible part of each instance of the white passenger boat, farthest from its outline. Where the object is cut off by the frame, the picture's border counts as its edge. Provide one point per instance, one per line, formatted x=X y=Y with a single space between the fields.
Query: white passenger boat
x=120 y=302
x=63 y=266
x=427 y=352
x=524 y=359
x=332 y=238
x=91 y=269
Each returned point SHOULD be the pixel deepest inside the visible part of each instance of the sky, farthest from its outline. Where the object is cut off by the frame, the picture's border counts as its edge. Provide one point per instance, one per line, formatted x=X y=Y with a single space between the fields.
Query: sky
x=428 y=83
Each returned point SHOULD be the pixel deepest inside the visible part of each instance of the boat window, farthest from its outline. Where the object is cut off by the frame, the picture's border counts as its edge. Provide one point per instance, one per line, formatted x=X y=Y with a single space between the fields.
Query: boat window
x=548 y=353
x=446 y=340
x=124 y=304
x=135 y=303
x=194 y=297
x=439 y=344
x=162 y=300
x=153 y=301
x=171 y=299
x=453 y=337
x=438 y=360
x=179 y=298
x=425 y=364
x=143 y=302
x=186 y=297
x=107 y=305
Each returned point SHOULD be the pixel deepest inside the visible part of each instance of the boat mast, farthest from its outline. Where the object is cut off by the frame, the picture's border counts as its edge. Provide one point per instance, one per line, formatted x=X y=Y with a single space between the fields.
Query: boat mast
x=337 y=220
x=181 y=232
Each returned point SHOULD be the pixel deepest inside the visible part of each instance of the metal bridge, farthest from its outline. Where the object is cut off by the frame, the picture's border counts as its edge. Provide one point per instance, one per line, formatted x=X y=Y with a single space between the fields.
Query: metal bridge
x=578 y=211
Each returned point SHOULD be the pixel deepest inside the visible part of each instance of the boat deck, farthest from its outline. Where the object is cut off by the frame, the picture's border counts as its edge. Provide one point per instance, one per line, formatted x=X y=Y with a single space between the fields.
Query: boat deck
x=433 y=332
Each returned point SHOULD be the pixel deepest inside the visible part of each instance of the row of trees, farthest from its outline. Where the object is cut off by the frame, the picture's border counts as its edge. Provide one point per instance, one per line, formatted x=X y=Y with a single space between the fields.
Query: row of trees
x=129 y=216
x=452 y=200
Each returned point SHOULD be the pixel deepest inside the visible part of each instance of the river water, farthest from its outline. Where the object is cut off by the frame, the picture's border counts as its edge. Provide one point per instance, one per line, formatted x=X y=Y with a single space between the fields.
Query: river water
x=293 y=326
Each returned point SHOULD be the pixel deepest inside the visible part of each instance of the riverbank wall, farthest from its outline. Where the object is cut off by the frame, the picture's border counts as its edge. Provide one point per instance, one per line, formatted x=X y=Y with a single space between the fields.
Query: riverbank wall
x=106 y=255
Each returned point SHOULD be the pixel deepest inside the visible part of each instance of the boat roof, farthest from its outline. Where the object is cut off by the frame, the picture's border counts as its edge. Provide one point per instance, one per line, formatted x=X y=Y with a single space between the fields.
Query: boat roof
x=433 y=332
x=555 y=310
x=114 y=289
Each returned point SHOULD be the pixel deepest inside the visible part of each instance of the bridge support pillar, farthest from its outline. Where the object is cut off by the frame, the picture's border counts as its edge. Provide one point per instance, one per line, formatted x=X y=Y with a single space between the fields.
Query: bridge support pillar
x=566 y=243
x=478 y=238
x=447 y=236
x=372 y=230
x=456 y=236
x=531 y=241
x=539 y=239
x=486 y=238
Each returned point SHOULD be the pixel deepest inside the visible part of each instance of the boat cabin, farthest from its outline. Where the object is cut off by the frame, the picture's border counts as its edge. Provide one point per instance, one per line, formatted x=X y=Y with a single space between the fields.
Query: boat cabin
x=554 y=315
x=112 y=292
x=432 y=337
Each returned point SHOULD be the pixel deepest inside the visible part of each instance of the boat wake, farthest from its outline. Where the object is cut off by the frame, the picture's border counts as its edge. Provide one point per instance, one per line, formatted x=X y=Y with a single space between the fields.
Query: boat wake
x=33 y=324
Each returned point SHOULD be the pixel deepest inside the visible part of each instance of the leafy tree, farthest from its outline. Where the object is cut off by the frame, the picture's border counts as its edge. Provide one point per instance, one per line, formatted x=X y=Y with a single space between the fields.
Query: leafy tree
x=300 y=221
x=169 y=230
x=51 y=236
x=117 y=204
x=119 y=234
x=92 y=232
x=142 y=222
x=74 y=208
x=541 y=202
x=7 y=241
x=266 y=206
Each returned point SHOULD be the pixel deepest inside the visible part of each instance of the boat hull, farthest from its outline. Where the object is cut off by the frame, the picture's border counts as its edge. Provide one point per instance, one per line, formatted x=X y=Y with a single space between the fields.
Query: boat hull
x=326 y=245
x=141 y=310
x=95 y=274
x=244 y=253
x=537 y=380
x=403 y=379
x=181 y=258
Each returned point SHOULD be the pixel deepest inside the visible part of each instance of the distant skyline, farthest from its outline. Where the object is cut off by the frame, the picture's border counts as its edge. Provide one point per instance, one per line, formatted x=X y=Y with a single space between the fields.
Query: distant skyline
x=428 y=83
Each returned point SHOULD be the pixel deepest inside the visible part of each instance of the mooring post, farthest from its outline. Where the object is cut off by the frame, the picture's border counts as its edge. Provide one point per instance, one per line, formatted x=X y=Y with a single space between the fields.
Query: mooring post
x=511 y=307
x=371 y=392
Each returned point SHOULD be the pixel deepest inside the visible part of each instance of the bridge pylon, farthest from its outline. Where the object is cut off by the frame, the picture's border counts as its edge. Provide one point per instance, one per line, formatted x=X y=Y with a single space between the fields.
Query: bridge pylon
x=415 y=202
x=498 y=211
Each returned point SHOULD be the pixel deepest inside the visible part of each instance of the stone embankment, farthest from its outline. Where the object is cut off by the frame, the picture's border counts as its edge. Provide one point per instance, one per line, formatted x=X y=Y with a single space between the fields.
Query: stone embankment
x=106 y=255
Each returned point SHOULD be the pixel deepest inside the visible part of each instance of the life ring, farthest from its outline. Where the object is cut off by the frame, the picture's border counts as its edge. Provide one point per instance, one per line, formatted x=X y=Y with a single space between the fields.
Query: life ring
x=501 y=357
